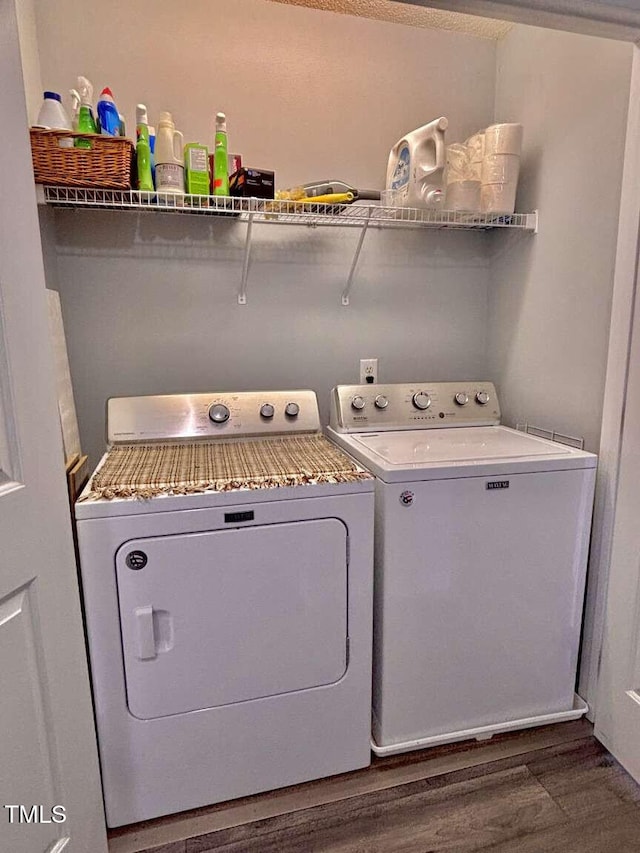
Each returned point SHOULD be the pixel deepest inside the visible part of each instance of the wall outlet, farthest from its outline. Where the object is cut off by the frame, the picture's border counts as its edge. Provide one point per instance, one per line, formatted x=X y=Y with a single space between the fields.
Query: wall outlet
x=368 y=371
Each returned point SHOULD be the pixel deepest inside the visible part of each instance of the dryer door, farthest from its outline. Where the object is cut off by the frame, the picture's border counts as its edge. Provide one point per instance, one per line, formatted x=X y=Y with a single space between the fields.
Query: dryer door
x=230 y=615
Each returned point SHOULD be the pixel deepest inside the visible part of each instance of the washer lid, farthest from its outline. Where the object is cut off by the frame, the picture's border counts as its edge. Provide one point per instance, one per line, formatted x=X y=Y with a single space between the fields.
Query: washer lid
x=412 y=455
x=470 y=444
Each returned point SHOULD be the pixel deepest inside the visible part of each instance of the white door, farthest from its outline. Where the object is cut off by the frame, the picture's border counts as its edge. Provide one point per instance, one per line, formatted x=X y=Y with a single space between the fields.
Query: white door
x=48 y=755
x=617 y=722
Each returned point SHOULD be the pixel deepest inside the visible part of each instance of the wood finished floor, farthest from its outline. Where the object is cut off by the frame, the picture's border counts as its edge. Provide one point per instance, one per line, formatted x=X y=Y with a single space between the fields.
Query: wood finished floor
x=568 y=798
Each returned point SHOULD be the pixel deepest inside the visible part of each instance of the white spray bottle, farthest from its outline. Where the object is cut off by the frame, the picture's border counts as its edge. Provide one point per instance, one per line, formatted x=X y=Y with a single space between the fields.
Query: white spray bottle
x=415 y=171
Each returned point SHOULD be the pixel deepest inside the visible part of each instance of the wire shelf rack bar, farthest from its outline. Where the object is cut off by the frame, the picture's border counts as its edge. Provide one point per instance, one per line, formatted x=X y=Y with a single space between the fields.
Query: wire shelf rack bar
x=282 y=212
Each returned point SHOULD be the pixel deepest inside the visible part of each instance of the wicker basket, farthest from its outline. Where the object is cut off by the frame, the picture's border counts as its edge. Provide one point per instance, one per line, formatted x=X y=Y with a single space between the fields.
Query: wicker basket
x=106 y=165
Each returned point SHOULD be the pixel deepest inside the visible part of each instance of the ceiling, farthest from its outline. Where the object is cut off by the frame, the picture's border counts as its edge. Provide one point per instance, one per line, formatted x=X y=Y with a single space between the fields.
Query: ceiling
x=412 y=16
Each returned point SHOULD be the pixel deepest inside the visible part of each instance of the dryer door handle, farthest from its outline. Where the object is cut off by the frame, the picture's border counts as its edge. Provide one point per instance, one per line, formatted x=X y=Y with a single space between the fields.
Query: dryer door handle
x=145 y=632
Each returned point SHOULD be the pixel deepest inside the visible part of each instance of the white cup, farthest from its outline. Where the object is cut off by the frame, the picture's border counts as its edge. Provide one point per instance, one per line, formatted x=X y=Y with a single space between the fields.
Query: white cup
x=463 y=195
x=500 y=169
x=503 y=139
x=498 y=198
x=476 y=145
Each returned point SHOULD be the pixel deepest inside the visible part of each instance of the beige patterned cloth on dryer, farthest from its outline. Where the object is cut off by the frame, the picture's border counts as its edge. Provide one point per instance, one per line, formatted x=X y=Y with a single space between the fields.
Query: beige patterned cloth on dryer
x=145 y=470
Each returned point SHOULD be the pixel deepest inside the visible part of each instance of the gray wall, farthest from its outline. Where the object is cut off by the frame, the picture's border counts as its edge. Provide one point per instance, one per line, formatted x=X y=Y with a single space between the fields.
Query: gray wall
x=149 y=301
x=150 y=306
x=308 y=93
x=550 y=296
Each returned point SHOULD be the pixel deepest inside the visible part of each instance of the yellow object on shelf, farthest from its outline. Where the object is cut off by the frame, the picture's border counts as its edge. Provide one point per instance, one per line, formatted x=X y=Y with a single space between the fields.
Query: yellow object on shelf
x=330 y=198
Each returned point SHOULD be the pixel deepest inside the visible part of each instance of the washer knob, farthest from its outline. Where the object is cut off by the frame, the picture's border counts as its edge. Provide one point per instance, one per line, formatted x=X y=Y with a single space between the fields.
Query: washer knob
x=461 y=398
x=292 y=410
x=381 y=401
x=219 y=413
x=482 y=398
x=358 y=402
x=267 y=410
x=421 y=400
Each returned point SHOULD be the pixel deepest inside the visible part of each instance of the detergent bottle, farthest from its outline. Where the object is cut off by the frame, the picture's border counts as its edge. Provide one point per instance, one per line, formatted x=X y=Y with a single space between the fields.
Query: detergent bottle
x=415 y=172
x=169 y=157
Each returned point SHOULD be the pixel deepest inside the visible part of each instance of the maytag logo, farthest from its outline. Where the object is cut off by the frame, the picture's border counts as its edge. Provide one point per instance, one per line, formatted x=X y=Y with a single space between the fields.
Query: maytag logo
x=498 y=484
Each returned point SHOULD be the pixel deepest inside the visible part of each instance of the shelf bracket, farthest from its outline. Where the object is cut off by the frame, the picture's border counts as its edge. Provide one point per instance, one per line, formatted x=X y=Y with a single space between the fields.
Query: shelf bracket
x=242 y=295
x=356 y=257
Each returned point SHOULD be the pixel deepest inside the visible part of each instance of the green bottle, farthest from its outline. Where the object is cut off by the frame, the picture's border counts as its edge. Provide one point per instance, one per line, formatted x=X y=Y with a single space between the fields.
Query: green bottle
x=84 y=122
x=220 y=164
x=143 y=150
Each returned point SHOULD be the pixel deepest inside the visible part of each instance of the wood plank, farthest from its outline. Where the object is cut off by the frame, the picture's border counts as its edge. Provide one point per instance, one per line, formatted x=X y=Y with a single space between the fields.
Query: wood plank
x=384 y=773
x=77 y=476
x=618 y=833
x=462 y=816
x=585 y=780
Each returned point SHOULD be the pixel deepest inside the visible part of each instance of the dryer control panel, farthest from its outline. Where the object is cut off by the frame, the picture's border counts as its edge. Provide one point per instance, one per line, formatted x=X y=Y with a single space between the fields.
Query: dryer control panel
x=241 y=414
x=415 y=405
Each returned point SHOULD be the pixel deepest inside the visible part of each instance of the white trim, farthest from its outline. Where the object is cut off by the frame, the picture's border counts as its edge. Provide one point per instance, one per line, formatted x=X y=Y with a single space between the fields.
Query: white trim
x=580 y=708
x=10 y=461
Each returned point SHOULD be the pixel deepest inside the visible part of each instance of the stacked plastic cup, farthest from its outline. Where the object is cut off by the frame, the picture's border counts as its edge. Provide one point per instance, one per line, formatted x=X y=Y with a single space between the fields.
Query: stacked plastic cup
x=500 y=168
x=462 y=188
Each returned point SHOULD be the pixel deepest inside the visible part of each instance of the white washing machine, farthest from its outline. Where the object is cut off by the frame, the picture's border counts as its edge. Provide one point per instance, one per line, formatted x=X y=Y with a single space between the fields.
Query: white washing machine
x=481 y=544
x=226 y=553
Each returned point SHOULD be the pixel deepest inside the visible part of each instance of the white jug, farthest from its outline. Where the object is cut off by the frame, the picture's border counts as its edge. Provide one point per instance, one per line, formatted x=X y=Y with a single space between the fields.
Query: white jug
x=415 y=171
x=169 y=157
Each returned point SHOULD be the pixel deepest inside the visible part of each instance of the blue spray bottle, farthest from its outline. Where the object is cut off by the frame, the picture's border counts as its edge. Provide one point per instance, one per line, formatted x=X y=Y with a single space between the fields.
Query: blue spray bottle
x=108 y=114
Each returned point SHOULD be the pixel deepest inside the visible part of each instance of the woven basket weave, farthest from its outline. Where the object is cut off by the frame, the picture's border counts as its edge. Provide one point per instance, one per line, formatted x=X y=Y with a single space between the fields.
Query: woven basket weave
x=106 y=165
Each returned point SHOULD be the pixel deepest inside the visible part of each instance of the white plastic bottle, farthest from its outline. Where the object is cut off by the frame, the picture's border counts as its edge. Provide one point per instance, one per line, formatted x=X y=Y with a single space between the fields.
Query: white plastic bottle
x=415 y=171
x=53 y=116
x=169 y=157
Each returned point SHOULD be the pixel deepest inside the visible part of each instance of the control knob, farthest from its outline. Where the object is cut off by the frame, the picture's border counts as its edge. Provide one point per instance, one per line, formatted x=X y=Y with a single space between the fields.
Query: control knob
x=461 y=398
x=358 y=403
x=219 y=413
x=292 y=410
x=267 y=410
x=381 y=401
x=421 y=400
x=482 y=398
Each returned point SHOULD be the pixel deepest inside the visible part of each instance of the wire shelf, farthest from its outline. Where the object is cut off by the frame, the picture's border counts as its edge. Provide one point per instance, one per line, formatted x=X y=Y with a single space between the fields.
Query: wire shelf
x=285 y=212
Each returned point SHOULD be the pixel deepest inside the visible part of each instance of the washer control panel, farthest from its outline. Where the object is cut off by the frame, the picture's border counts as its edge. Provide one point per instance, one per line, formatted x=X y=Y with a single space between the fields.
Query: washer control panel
x=421 y=405
x=179 y=417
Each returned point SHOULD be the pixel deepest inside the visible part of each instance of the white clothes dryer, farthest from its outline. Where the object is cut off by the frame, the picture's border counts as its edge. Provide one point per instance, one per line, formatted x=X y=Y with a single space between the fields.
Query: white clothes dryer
x=481 y=544
x=226 y=553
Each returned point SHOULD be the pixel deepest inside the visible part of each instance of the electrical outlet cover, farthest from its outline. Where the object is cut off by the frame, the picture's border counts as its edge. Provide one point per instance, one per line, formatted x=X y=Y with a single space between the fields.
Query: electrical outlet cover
x=368 y=371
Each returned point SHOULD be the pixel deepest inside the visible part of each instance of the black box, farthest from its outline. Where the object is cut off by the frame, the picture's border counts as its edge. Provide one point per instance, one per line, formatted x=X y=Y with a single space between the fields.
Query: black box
x=252 y=183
